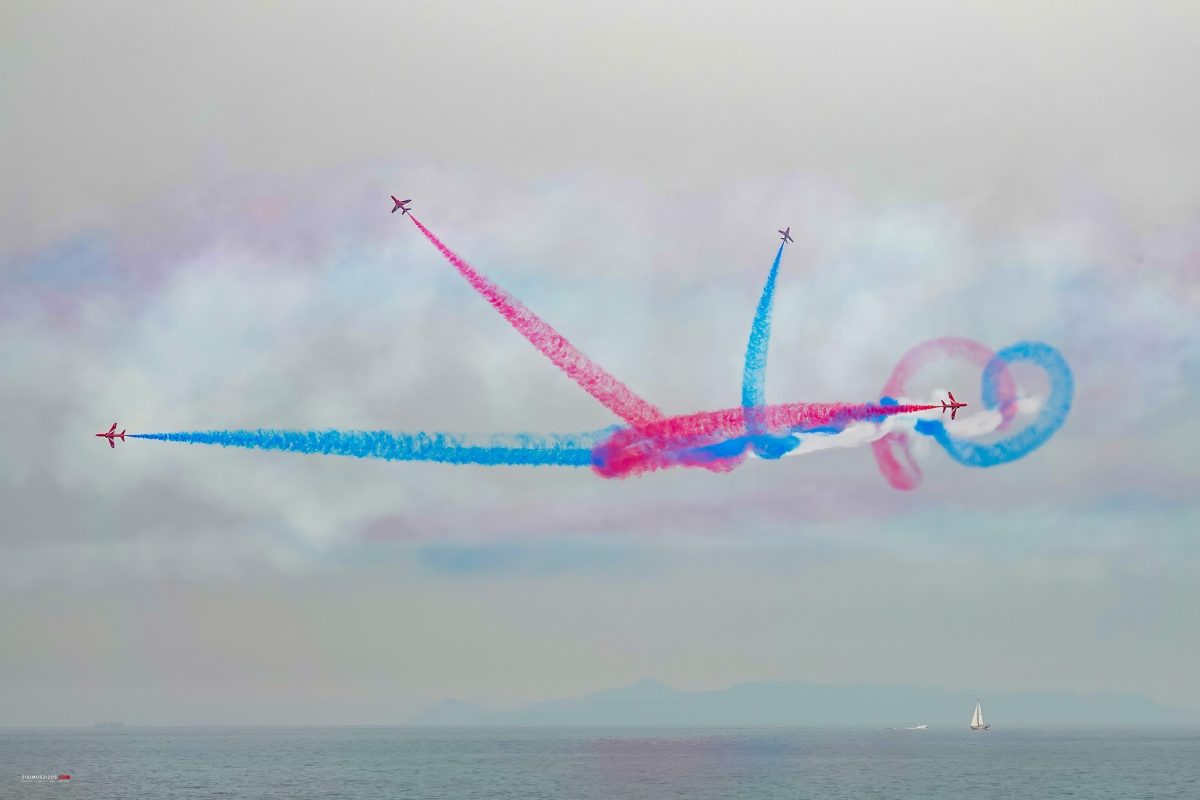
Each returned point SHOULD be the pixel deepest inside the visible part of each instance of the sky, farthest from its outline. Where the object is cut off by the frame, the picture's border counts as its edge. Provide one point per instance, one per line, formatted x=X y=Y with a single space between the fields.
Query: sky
x=194 y=234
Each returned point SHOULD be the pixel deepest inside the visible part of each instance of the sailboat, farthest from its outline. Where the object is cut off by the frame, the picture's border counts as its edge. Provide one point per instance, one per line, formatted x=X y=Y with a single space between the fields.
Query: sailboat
x=977 y=723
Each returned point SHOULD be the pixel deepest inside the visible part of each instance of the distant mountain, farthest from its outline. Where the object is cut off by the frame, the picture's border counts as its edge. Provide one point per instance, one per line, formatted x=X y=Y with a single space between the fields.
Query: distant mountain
x=649 y=702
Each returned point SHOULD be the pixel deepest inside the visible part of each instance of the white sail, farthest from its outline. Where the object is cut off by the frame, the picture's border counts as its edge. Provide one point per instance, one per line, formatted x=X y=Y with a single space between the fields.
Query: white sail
x=977 y=717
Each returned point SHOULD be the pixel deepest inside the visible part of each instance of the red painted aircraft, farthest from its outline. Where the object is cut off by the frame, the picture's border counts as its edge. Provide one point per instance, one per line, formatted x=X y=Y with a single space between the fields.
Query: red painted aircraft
x=787 y=234
x=953 y=405
x=112 y=434
x=401 y=205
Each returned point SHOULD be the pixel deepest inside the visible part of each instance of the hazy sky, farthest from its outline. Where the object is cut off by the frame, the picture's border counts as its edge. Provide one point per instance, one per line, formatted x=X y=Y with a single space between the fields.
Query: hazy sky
x=194 y=235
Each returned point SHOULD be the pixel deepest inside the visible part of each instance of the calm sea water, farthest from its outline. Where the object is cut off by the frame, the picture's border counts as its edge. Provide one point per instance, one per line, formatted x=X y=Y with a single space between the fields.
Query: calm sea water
x=604 y=764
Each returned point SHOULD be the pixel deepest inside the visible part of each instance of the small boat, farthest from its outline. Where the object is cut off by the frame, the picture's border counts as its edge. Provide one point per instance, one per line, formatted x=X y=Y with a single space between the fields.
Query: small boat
x=977 y=723
x=920 y=727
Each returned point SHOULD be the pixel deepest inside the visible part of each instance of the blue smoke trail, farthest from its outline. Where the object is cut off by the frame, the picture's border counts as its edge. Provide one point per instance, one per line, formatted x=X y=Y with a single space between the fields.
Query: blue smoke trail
x=559 y=450
x=1050 y=418
x=754 y=373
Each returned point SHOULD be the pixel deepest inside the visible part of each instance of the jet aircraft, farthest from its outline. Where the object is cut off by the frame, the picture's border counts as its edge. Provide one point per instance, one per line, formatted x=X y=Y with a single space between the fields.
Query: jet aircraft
x=786 y=233
x=401 y=205
x=953 y=405
x=112 y=434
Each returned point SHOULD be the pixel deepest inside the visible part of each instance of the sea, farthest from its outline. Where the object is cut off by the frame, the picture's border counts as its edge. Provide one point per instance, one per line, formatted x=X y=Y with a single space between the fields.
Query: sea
x=597 y=763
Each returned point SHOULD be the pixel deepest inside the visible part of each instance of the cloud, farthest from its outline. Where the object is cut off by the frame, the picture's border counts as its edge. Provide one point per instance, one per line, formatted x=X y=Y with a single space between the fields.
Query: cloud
x=376 y=332
x=526 y=559
x=216 y=252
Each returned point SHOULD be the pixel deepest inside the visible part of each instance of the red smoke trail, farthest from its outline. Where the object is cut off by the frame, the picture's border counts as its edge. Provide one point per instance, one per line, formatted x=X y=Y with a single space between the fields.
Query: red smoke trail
x=594 y=379
x=711 y=438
